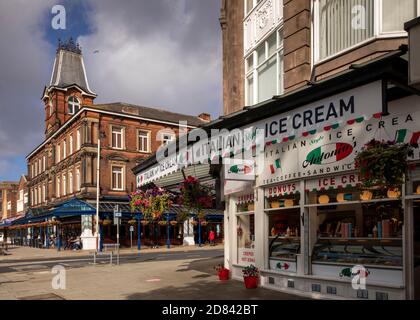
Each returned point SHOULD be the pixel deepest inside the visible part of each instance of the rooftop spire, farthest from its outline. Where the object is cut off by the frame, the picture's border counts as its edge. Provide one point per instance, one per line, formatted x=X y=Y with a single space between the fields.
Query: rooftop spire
x=70 y=45
x=69 y=68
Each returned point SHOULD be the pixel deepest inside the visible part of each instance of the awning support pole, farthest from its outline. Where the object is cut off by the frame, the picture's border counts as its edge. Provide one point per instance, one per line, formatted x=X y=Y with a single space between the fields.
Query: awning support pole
x=138 y=234
x=168 y=240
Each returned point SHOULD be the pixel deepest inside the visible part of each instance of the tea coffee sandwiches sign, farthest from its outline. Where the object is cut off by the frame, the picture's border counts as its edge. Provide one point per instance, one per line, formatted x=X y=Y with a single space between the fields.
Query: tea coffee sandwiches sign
x=333 y=150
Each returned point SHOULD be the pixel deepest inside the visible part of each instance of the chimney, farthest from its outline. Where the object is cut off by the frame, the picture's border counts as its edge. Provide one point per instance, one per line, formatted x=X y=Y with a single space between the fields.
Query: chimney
x=205 y=117
x=413 y=29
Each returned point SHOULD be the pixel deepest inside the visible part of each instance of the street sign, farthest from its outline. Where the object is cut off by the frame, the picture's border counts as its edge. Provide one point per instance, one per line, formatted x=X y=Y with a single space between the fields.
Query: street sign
x=117 y=214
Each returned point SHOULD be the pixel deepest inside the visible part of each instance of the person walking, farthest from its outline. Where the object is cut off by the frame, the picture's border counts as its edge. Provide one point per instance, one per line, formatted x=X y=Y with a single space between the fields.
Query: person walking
x=211 y=237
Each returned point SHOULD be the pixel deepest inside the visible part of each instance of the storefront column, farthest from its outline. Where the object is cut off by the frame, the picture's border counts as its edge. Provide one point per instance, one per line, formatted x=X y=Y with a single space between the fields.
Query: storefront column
x=188 y=233
x=303 y=258
x=87 y=237
x=261 y=230
x=138 y=234
x=227 y=239
x=47 y=236
x=168 y=240
x=199 y=233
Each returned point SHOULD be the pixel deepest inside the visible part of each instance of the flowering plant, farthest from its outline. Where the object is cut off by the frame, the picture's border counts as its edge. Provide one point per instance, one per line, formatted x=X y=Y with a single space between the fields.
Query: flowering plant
x=194 y=198
x=151 y=203
x=251 y=271
x=383 y=163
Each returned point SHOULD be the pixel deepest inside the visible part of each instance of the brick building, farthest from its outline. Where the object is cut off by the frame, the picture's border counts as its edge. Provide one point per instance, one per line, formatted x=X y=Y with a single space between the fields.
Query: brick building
x=63 y=167
x=272 y=47
x=8 y=196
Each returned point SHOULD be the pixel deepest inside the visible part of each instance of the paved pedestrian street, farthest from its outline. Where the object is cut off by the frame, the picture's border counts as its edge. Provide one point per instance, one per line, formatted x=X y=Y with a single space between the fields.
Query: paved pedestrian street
x=154 y=274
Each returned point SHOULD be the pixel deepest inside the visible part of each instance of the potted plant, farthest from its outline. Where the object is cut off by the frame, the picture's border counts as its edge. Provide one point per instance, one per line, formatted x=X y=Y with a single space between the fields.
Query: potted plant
x=222 y=272
x=250 y=274
x=383 y=164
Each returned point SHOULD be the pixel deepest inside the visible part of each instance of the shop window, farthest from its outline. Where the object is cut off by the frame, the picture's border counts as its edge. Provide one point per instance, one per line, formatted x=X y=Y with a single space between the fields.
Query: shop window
x=366 y=234
x=245 y=238
x=271 y=280
x=290 y=284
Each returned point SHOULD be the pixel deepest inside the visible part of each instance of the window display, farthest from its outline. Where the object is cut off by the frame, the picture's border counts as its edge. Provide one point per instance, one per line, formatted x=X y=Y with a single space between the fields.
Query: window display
x=245 y=238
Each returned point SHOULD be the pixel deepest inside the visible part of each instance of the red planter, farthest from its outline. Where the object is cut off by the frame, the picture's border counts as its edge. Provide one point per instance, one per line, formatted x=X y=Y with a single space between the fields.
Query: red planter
x=223 y=274
x=251 y=282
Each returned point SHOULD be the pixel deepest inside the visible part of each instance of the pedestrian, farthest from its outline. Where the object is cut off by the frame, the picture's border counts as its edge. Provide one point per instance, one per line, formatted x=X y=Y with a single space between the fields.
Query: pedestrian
x=211 y=237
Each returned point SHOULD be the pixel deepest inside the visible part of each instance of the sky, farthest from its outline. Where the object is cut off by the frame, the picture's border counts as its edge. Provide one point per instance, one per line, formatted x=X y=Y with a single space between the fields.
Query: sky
x=157 y=53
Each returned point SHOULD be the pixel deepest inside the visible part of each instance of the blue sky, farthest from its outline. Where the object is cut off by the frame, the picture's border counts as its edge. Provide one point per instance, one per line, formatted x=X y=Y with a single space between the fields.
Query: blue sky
x=160 y=53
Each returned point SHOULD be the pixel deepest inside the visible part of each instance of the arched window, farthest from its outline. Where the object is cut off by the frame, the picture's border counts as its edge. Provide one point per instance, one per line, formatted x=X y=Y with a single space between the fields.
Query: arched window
x=74 y=105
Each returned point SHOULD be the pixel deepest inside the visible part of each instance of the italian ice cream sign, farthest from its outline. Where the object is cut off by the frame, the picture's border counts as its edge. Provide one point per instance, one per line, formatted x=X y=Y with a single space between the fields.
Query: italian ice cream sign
x=333 y=150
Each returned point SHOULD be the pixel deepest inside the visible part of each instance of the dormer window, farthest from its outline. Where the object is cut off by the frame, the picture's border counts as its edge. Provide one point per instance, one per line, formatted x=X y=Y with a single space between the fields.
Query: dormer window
x=74 y=105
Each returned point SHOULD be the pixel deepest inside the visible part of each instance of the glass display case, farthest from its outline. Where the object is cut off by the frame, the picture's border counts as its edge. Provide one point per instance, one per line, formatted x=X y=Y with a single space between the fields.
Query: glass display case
x=284 y=248
x=359 y=251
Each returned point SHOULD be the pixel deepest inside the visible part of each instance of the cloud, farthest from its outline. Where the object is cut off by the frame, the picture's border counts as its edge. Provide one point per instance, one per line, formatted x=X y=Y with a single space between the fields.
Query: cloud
x=160 y=53
x=156 y=53
x=25 y=66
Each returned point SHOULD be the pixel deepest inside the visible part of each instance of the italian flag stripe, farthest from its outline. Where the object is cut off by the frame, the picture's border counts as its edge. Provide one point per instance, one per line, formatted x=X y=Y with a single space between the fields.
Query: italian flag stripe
x=400 y=135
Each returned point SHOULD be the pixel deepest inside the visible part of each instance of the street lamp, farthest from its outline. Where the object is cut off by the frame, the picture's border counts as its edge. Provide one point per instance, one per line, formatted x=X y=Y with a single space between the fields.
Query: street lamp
x=97 y=235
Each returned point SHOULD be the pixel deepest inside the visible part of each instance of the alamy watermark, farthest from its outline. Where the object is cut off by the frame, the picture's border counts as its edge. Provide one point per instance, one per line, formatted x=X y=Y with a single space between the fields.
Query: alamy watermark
x=58 y=281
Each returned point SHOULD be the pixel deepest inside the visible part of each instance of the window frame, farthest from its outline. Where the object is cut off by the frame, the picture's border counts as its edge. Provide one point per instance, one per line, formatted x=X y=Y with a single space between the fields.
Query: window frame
x=378 y=32
x=73 y=105
x=71 y=144
x=78 y=139
x=148 y=137
x=122 y=134
x=78 y=180
x=254 y=71
x=117 y=188
x=71 y=188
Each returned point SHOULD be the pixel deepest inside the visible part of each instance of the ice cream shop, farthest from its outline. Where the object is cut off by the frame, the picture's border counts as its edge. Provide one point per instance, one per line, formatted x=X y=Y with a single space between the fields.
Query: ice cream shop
x=335 y=207
x=322 y=194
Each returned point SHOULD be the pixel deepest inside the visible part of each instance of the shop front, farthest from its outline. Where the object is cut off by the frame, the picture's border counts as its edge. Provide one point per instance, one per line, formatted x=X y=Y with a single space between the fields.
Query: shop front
x=311 y=224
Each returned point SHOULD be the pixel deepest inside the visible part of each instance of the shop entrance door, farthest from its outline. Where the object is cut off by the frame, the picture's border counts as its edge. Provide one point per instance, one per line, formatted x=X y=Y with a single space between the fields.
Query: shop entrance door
x=416 y=248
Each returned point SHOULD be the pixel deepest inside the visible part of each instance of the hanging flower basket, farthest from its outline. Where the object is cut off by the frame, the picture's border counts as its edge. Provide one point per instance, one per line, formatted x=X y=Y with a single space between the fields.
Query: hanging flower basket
x=174 y=223
x=204 y=223
x=145 y=222
x=162 y=223
x=194 y=198
x=107 y=222
x=383 y=164
x=194 y=223
x=151 y=203
x=132 y=222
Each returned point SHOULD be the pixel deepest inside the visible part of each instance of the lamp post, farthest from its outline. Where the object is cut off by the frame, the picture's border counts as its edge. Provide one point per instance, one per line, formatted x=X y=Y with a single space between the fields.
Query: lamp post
x=100 y=135
x=97 y=194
